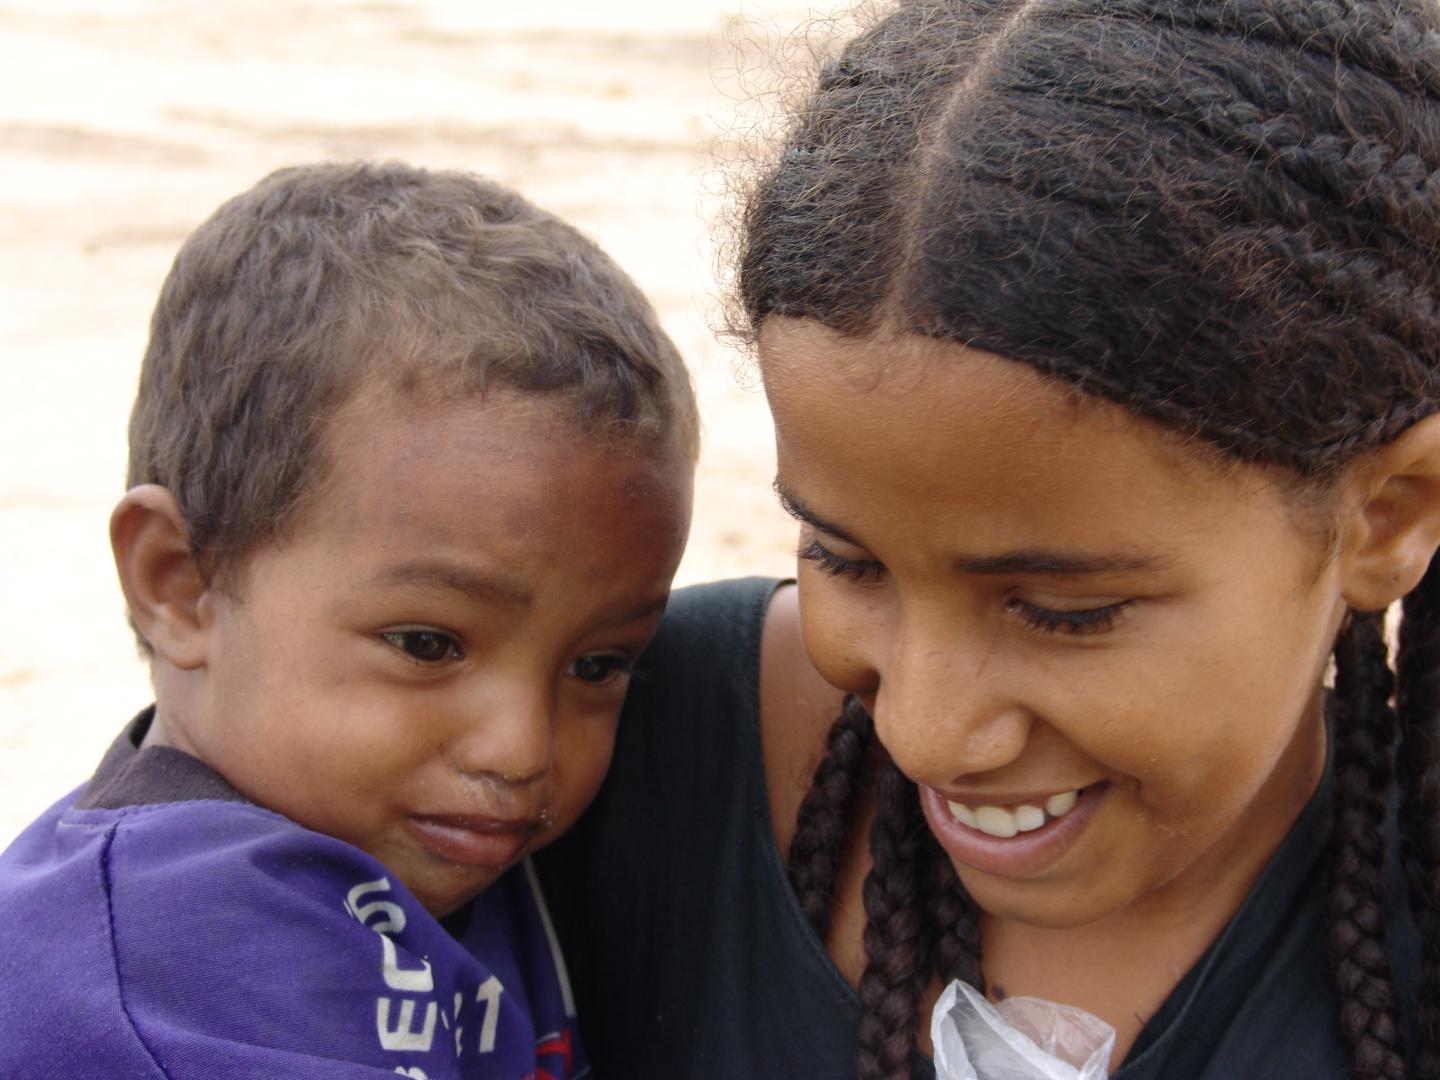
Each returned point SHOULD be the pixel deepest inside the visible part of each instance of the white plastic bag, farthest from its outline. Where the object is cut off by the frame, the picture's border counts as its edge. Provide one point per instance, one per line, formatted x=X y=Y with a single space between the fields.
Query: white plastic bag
x=1020 y=1039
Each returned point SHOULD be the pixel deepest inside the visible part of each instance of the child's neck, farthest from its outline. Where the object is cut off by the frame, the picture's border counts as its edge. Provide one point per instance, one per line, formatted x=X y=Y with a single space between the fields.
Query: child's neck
x=178 y=694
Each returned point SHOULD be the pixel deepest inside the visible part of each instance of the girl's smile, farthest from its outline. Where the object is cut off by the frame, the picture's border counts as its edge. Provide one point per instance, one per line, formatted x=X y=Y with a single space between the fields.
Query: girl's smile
x=1017 y=840
x=1097 y=652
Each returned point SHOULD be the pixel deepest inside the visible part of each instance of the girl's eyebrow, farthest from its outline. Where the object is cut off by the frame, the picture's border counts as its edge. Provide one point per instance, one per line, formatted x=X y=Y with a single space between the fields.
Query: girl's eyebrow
x=800 y=512
x=1056 y=563
x=1059 y=563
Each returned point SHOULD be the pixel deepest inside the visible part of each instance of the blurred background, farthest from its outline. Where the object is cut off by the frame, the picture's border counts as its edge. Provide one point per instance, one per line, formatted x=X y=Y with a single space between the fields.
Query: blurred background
x=123 y=123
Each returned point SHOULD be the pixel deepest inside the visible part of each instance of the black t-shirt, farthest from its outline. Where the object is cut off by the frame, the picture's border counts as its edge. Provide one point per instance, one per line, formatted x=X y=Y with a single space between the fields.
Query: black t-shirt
x=691 y=957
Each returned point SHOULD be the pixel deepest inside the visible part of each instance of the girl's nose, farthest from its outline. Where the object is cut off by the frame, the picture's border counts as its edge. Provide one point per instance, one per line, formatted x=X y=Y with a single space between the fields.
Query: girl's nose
x=944 y=706
x=507 y=733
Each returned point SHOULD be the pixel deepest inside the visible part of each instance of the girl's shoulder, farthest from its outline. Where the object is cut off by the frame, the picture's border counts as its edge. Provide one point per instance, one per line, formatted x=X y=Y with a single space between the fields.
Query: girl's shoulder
x=797 y=708
x=717 y=620
x=736 y=646
x=735 y=650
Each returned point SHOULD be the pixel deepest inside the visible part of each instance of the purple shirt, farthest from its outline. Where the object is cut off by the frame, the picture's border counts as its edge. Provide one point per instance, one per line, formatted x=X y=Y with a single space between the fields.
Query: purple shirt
x=152 y=933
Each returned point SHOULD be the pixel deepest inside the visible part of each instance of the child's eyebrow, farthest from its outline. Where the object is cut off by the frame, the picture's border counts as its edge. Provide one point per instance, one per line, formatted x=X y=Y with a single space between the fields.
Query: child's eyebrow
x=1057 y=563
x=651 y=608
x=442 y=574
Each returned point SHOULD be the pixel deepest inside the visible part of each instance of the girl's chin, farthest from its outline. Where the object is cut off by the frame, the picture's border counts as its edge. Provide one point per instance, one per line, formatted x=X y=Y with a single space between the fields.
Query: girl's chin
x=1034 y=877
x=1037 y=904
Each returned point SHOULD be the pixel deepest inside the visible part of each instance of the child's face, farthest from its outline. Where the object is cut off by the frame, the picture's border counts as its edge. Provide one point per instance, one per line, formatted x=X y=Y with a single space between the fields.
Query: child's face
x=431 y=665
x=1063 y=603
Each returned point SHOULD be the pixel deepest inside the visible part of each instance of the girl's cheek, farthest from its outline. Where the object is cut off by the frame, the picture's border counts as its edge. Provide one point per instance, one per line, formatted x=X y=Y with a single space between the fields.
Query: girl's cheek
x=843 y=643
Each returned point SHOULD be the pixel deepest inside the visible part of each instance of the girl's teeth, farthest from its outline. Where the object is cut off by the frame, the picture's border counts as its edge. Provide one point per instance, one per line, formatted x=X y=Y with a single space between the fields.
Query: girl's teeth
x=994 y=821
x=1028 y=818
x=1059 y=805
x=963 y=814
x=998 y=822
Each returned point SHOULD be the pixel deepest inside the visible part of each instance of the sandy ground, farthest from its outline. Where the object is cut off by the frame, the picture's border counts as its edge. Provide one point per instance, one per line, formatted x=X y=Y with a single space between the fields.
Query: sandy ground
x=124 y=122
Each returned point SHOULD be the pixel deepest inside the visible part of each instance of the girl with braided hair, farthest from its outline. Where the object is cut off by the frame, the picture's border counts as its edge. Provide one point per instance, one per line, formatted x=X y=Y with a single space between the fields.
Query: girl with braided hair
x=1103 y=347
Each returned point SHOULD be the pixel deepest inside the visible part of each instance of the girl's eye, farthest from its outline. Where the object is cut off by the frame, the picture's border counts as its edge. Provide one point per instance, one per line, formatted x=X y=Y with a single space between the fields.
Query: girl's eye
x=426 y=646
x=838 y=565
x=1084 y=621
x=598 y=668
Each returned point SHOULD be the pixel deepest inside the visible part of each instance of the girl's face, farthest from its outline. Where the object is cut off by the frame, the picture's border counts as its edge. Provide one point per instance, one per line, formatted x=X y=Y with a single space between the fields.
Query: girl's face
x=1099 y=656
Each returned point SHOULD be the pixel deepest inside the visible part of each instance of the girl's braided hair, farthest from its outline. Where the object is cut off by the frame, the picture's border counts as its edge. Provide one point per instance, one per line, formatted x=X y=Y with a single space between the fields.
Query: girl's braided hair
x=1221 y=214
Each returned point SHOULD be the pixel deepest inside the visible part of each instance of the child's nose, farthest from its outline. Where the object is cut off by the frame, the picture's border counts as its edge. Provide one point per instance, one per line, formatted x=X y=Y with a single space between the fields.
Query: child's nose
x=508 y=734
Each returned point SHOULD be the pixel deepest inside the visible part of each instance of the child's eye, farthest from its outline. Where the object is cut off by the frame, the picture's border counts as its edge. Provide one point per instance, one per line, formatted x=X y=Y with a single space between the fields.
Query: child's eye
x=1095 y=620
x=426 y=646
x=838 y=565
x=598 y=667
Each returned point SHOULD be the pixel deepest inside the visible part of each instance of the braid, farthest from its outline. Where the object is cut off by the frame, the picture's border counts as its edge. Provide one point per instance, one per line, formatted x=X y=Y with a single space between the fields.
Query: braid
x=1418 y=706
x=820 y=827
x=1396 y=40
x=897 y=954
x=1364 y=734
x=919 y=918
x=954 y=919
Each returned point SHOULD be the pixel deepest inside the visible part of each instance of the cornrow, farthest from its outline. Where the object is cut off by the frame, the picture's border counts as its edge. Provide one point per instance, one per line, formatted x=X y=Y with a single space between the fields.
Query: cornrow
x=1117 y=193
x=1418 y=709
x=1397 y=41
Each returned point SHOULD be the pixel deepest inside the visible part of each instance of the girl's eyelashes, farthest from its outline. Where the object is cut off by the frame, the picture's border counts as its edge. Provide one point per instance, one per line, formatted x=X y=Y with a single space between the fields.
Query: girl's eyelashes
x=1095 y=620
x=599 y=668
x=425 y=646
x=838 y=565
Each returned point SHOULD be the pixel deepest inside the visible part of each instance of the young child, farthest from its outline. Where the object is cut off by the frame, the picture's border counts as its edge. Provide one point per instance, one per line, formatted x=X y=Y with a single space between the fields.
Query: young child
x=1102 y=339
x=410 y=472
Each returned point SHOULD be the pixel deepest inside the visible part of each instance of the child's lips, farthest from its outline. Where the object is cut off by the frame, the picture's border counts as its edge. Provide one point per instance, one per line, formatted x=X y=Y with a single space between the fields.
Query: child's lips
x=475 y=840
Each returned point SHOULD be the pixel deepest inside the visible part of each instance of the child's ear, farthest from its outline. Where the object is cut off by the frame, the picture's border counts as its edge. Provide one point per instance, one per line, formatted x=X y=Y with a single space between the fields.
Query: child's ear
x=1395 y=528
x=162 y=584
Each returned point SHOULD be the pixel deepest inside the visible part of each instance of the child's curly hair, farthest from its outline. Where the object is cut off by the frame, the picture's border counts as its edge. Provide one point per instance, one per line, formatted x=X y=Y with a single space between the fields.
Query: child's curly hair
x=1222 y=214
x=324 y=277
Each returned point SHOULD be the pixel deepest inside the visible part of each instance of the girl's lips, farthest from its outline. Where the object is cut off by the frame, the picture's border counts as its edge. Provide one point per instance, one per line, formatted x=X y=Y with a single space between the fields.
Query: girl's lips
x=487 y=843
x=1021 y=856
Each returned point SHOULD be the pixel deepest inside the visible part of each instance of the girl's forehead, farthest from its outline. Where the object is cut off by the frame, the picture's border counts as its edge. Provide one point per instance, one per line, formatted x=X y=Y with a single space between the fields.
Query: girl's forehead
x=897 y=364
x=931 y=421
x=808 y=367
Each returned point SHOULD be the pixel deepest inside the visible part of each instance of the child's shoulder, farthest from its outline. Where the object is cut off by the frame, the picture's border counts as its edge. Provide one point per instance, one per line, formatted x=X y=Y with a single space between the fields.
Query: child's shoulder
x=148 y=933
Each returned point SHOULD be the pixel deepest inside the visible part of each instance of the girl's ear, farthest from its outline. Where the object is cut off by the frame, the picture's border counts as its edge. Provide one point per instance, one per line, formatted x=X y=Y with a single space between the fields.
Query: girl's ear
x=162 y=584
x=1395 y=528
